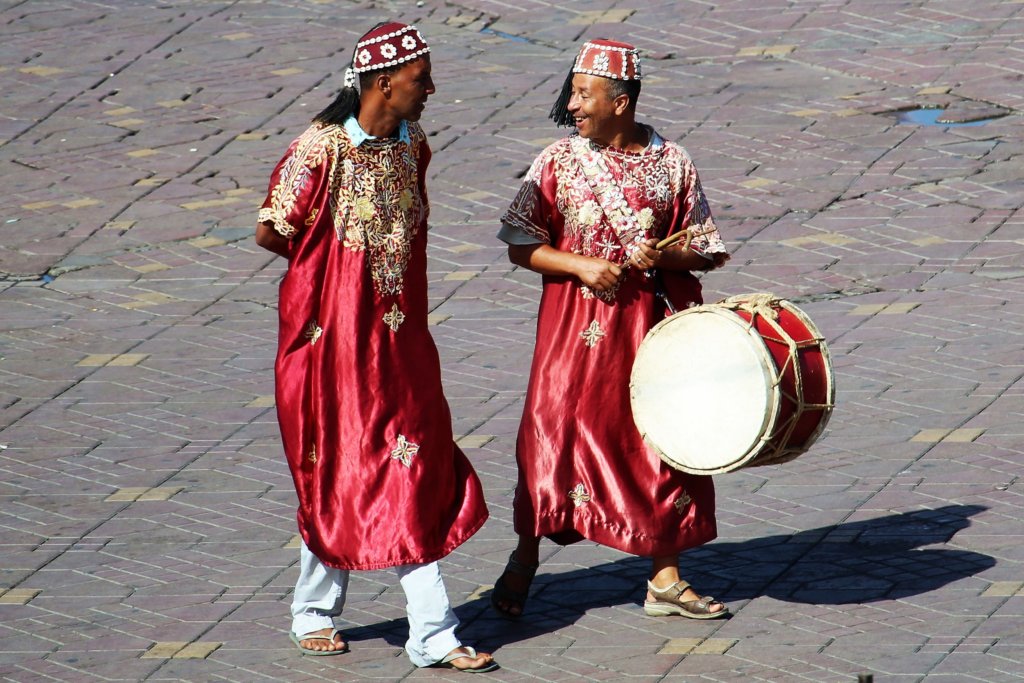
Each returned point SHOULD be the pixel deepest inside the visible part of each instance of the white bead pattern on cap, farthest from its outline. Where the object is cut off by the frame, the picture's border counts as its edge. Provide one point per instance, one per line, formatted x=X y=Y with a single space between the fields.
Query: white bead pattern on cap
x=408 y=42
x=602 y=62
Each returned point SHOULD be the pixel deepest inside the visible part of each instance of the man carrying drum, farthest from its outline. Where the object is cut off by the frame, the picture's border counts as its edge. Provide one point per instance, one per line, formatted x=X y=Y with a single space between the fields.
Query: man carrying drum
x=589 y=218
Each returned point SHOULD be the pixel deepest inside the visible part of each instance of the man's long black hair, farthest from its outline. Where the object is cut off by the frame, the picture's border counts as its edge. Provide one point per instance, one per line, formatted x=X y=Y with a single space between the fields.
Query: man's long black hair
x=347 y=102
x=344 y=105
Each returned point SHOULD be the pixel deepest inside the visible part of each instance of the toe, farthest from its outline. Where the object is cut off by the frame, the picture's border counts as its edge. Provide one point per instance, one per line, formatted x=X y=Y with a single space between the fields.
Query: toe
x=320 y=645
x=513 y=608
x=713 y=606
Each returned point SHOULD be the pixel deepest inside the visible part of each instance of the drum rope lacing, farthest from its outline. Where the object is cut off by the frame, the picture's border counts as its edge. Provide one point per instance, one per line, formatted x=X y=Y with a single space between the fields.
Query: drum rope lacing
x=757 y=304
x=767 y=306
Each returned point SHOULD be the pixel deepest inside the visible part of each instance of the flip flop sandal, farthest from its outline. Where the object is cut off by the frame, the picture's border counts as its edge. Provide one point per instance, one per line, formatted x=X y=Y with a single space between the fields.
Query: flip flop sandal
x=502 y=593
x=669 y=602
x=318 y=653
x=470 y=652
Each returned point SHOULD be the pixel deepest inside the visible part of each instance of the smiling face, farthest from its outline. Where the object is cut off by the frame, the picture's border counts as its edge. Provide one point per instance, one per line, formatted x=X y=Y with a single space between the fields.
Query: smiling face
x=597 y=115
x=410 y=86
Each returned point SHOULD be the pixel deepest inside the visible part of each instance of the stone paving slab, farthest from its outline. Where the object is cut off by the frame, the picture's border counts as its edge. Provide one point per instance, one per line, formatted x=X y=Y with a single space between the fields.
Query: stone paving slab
x=146 y=514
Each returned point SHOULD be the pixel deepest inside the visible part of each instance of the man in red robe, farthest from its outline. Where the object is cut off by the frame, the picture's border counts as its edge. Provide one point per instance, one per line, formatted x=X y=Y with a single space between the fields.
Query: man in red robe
x=365 y=425
x=587 y=217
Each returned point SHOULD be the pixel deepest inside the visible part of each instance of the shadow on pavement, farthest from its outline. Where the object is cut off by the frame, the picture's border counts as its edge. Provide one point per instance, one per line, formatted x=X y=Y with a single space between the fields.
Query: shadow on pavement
x=852 y=563
x=857 y=562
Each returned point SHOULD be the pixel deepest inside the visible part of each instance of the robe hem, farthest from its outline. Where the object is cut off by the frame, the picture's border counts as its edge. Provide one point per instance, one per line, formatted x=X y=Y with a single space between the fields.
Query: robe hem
x=423 y=559
x=632 y=543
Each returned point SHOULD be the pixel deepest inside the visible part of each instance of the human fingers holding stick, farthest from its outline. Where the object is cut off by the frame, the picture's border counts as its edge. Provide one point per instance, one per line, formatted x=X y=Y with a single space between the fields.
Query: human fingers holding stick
x=672 y=253
x=647 y=255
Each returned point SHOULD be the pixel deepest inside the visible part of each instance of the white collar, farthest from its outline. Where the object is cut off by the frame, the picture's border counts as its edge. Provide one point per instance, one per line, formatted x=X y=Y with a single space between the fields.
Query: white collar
x=359 y=136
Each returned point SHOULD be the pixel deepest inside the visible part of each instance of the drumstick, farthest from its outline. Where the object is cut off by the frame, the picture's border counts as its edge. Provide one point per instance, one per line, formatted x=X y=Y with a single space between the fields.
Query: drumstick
x=686 y=235
x=669 y=241
x=675 y=237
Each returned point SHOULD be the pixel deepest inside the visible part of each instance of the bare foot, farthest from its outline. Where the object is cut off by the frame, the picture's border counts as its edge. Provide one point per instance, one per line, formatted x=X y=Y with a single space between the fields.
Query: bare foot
x=511 y=588
x=516 y=583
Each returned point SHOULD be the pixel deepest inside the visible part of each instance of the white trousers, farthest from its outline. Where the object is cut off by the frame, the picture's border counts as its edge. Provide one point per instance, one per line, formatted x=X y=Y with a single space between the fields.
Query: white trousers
x=320 y=596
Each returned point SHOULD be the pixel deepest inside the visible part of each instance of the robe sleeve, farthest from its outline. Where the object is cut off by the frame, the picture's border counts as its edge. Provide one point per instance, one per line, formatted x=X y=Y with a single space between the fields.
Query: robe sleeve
x=692 y=212
x=526 y=221
x=289 y=206
x=422 y=161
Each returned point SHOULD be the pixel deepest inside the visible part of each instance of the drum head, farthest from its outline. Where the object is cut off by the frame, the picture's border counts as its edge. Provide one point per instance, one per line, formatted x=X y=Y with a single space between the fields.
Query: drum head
x=703 y=390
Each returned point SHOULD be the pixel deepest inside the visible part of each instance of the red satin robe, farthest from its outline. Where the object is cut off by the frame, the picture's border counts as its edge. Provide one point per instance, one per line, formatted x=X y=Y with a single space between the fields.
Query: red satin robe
x=584 y=469
x=365 y=425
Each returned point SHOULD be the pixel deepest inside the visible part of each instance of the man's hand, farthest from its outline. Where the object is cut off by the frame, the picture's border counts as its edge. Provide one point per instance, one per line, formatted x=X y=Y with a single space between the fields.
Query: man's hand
x=268 y=238
x=646 y=256
x=597 y=273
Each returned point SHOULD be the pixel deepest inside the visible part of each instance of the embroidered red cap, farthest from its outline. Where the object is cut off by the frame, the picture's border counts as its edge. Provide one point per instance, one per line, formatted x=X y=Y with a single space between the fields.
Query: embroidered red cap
x=388 y=45
x=608 y=58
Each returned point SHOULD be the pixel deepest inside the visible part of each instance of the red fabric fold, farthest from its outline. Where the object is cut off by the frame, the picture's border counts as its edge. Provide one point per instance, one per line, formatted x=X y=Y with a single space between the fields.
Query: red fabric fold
x=364 y=421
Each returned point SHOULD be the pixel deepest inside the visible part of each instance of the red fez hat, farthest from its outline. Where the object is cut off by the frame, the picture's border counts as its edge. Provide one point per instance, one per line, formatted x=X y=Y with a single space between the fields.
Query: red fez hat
x=608 y=58
x=388 y=45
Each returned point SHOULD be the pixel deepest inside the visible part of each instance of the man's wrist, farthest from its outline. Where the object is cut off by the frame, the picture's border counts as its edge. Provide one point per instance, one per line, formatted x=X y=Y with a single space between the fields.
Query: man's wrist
x=705 y=262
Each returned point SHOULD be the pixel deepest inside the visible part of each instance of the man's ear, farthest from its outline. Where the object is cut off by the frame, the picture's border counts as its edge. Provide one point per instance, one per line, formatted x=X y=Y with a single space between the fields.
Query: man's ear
x=383 y=82
x=621 y=104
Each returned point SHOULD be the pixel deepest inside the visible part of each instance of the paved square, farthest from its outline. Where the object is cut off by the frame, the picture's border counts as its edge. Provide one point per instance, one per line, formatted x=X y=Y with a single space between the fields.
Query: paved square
x=147 y=517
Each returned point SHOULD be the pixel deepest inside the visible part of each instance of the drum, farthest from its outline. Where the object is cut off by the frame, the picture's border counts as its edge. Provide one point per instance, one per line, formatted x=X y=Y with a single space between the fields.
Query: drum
x=740 y=383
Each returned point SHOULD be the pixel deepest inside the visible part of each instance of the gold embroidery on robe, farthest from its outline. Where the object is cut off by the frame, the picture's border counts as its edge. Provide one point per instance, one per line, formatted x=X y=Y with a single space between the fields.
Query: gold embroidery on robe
x=579 y=495
x=377 y=206
x=592 y=335
x=404 y=451
x=313 y=333
x=394 y=318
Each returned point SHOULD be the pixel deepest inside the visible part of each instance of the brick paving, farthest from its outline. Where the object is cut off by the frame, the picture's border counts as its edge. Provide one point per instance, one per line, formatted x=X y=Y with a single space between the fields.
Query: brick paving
x=146 y=514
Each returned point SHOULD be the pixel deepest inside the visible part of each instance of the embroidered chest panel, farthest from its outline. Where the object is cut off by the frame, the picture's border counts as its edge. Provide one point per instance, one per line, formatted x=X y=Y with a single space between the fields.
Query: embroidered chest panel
x=377 y=206
x=645 y=182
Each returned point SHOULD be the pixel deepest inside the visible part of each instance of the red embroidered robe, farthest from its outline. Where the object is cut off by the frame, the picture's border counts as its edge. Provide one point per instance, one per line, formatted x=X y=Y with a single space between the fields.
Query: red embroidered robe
x=584 y=469
x=365 y=425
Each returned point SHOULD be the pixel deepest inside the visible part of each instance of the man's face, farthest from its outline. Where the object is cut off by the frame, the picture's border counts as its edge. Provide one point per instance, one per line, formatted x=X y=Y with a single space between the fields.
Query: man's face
x=592 y=108
x=410 y=87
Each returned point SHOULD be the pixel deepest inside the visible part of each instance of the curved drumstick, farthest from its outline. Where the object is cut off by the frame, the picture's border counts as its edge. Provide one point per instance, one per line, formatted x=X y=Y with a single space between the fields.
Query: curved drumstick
x=674 y=238
x=685 y=235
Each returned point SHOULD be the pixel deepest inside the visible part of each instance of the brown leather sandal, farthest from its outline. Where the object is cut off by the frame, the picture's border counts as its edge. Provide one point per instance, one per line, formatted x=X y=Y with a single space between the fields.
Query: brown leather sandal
x=669 y=601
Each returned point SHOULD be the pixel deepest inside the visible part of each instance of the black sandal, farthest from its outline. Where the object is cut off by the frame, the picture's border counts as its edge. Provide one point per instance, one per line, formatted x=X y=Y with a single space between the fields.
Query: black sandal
x=502 y=593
